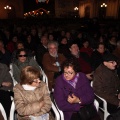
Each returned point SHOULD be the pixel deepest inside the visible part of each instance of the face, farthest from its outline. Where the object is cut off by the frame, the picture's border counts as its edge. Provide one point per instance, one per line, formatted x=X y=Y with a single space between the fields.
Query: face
x=15 y=39
x=44 y=41
x=69 y=73
x=51 y=37
x=64 y=41
x=29 y=38
x=36 y=82
x=52 y=48
x=74 y=49
x=86 y=44
x=110 y=64
x=20 y=46
x=101 y=49
x=22 y=56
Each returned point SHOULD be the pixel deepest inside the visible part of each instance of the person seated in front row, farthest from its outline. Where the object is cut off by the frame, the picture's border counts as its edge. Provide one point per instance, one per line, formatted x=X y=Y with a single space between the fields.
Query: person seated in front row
x=22 y=61
x=73 y=91
x=31 y=95
x=106 y=82
x=6 y=85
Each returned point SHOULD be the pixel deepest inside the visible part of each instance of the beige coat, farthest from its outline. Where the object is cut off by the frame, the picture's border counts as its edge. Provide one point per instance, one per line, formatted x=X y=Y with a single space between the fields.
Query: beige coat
x=27 y=102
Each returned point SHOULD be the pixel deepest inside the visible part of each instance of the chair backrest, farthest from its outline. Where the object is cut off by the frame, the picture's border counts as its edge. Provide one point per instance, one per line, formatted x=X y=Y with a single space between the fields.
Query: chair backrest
x=104 y=107
x=60 y=112
x=3 y=112
x=57 y=115
x=12 y=111
x=11 y=73
x=96 y=104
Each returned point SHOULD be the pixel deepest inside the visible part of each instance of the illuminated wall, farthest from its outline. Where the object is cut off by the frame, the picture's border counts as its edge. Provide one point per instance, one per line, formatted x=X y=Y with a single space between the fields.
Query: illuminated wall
x=16 y=12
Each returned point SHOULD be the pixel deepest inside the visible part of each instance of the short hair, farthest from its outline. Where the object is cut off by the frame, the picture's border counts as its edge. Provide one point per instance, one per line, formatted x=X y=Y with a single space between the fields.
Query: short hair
x=53 y=42
x=28 y=74
x=20 y=50
x=73 y=63
x=100 y=43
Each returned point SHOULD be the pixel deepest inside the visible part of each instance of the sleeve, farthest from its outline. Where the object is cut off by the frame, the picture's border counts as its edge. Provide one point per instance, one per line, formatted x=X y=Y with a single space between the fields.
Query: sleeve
x=61 y=99
x=25 y=109
x=47 y=100
x=47 y=64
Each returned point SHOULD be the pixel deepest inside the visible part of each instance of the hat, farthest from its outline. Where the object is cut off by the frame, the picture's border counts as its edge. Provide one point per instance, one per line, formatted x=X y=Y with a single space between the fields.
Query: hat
x=109 y=57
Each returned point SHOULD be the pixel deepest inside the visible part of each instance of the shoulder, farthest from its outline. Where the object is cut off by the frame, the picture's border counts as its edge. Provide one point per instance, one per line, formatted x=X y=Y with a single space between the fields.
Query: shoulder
x=17 y=87
x=59 y=80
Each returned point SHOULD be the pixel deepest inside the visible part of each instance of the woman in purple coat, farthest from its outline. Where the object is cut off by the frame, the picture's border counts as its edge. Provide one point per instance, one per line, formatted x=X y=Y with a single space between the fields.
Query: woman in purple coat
x=72 y=90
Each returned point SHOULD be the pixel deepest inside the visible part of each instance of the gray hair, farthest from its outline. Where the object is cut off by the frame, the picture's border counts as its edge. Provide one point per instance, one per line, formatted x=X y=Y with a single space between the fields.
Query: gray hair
x=53 y=42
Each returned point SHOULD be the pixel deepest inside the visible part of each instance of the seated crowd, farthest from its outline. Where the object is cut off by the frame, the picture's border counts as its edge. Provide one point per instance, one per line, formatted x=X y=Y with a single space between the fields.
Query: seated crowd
x=69 y=60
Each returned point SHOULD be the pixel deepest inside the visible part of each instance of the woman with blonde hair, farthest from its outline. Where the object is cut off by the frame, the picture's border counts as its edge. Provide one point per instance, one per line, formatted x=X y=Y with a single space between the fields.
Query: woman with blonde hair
x=31 y=96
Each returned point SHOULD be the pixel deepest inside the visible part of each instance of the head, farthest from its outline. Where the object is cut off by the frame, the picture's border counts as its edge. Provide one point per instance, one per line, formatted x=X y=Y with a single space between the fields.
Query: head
x=85 y=43
x=74 y=49
x=15 y=38
x=31 y=76
x=110 y=61
x=64 y=40
x=53 y=48
x=44 y=40
x=29 y=38
x=70 y=68
x=21 y=55
x=1 y=45
x=51 y=37
x=19 y=45
x=101 y=48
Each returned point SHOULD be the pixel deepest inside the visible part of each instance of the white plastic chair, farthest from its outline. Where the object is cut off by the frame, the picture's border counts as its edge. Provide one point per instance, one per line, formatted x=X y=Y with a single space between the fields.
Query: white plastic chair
x=12 y=111
x=57 y=115
x=96 y=104
x=104 y=108
x=3 y=112
x=60 y=112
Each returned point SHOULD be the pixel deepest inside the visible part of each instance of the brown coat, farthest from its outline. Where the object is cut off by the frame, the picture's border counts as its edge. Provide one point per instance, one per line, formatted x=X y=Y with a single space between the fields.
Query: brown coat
x=1 y=117
x=49 y=67
x=106 y=83
x=27 y=102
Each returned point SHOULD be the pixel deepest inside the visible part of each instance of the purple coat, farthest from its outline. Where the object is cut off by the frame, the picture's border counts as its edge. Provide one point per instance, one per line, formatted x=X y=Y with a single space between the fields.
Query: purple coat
x=83 y=90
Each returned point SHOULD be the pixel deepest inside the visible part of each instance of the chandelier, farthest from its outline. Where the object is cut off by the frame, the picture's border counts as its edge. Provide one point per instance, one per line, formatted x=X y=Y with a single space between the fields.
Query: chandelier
x=42 y=1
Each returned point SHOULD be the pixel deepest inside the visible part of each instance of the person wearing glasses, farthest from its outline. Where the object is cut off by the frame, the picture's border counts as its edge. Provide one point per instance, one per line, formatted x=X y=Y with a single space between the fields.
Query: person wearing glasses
x=22 y=61
x=72 y=90
x=106 y=83
x=31 y=96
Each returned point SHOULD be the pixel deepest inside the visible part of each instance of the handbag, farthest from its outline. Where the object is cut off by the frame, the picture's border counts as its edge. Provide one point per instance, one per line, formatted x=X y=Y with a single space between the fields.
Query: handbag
x=87 y=112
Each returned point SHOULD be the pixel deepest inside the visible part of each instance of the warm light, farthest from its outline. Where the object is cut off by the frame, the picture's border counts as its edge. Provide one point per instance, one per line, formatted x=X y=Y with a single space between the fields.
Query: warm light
x=7 y=7
x=103 y=5
x=75 y=8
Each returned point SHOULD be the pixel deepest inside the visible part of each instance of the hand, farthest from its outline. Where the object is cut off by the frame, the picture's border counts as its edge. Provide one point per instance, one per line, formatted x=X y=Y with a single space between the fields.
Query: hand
x=89 y=76
x=6 y=84
x=73 y=99
x=42 y=104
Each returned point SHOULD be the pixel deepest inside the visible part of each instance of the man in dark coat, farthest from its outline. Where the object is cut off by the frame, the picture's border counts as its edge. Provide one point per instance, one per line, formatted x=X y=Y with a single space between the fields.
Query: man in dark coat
x=106 y=82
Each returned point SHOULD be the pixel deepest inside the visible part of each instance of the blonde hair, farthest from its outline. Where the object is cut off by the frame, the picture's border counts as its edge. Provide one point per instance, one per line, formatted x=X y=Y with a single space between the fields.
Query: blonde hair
x=28 y=74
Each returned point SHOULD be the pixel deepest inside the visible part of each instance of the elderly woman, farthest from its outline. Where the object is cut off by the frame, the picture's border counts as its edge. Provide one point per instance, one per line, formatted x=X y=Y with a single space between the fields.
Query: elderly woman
x=22 y=61
x=31 y=96
x=72 y=91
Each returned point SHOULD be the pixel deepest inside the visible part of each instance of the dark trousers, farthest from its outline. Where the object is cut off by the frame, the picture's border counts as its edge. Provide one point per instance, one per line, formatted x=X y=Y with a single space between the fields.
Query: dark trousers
x=5 y=100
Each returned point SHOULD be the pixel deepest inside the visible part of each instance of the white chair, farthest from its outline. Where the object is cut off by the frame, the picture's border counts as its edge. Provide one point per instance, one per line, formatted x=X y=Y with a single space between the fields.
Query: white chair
x=11 y=73
x=3 y=112
x=57 y=115
x=60 y=112
x=96 y=104
x=104 y=108
x=12 y=111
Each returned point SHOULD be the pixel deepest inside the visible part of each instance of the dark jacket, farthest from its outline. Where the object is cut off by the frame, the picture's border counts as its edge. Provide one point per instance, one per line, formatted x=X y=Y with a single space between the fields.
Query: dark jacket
x=106 y=83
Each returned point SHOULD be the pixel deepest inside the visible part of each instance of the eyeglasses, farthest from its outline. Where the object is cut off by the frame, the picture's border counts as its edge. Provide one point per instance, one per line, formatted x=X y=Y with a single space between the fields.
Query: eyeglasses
x=68 y=73
x=22 y=55
x=113 y=62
